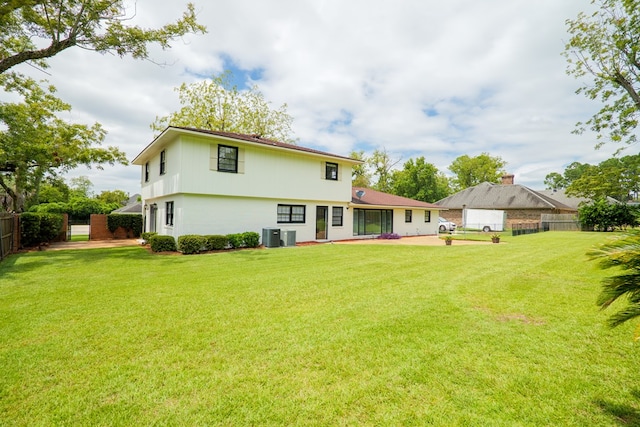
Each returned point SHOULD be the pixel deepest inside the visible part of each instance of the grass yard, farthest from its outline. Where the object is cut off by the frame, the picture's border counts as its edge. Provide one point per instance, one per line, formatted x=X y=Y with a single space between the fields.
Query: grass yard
x=485 y=335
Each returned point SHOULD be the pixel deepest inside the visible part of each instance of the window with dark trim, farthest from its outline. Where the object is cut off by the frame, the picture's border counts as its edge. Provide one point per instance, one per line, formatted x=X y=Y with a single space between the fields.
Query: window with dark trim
x=427 y=216
x=331 y=171
x=372 y=221
x=336 y=216
x=407 y=215
x=146 y=172
x=227 y=159
x=292 y=214
x=163 y=161
x=169 y=213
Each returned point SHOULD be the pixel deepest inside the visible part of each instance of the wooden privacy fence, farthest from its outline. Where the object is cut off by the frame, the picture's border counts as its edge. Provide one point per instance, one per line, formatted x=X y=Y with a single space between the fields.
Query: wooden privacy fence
x=6 y=234
x=560 y=222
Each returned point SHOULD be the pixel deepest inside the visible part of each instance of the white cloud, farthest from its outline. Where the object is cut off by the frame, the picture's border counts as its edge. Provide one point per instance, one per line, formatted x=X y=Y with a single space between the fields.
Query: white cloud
x=418 y=77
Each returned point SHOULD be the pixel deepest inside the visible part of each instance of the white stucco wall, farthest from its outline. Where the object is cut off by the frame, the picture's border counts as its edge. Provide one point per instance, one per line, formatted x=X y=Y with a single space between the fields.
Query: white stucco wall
x=207 y=201
x=198 y=214
x=417 y=226
x=266 y=172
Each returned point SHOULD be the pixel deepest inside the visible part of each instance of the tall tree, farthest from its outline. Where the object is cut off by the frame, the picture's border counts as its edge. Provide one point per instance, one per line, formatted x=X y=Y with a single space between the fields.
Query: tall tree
x=36 y=30
x=81 y=187
x=35 y=143
x=574 y=171
x=52 y=190
x=360 y=176
x=470 y=171
x=118 y=197
x=616 y=177
x=381 y=164
x=216 y=105
x=420 y=180
x=604 y=45
x=554 y=181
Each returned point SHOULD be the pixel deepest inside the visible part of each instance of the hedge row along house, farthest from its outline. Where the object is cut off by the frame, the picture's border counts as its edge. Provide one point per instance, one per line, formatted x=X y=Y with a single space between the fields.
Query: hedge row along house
x=208 y=182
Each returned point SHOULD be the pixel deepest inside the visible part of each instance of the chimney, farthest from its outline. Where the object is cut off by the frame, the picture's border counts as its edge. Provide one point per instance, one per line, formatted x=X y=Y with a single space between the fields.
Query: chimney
x=507 y=179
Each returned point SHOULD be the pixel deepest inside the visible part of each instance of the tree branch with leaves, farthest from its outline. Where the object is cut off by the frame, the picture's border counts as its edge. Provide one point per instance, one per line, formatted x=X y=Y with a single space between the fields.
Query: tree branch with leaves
x=98 y=25
x=605 y=45
x=37 y=143
x=217 y=105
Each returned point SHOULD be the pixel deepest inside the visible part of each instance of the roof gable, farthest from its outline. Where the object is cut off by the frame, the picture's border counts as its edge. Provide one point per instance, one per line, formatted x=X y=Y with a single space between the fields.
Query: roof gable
x=498 y=196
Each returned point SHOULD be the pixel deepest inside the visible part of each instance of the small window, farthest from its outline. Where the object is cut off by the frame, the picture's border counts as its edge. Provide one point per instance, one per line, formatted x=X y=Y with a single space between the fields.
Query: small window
x=146 y=172
x=169 y=216
x=294 y=214
x=407 y=215
x=331 y=171
x=336 y=216
x=427 y=216
x=227 y=159
x=163 y=160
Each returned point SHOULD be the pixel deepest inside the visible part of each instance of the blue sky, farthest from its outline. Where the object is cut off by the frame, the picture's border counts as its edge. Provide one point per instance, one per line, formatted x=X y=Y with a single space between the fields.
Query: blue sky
x=414 y=77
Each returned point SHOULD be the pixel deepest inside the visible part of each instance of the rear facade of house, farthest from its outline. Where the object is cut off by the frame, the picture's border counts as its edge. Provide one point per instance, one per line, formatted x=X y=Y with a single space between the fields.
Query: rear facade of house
x=205 y=182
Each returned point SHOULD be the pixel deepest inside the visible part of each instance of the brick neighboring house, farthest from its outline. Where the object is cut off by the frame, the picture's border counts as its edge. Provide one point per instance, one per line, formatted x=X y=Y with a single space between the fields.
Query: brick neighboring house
x=521 y=204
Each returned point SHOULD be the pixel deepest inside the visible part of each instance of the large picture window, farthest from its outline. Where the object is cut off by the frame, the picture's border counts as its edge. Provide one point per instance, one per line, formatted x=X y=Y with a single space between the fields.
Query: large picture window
x=292 y=214
x=372 y=221
x=227 y=159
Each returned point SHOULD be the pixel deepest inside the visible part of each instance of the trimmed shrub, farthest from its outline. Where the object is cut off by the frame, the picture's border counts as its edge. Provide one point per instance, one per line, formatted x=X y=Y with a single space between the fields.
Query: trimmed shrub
x=50 y=226
x=29 y=228
x=191 y=244
x=162 y=243
x=37 y=228
x=236 y=240
x=251 y=239
x=147 y=235
x=130 y=222
x=216 y=242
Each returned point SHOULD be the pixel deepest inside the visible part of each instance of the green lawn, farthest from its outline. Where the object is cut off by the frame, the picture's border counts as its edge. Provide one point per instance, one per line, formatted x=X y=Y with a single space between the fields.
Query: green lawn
x=485 y=335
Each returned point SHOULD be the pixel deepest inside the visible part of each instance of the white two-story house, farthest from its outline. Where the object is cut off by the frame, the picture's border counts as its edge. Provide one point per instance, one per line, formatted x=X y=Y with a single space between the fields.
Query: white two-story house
x=208 y=182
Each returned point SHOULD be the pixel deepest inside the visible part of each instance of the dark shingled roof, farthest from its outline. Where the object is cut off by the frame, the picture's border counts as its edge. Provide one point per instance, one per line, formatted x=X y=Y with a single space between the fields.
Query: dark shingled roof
x=133 y=208
x=377 y=198
x=501 y=196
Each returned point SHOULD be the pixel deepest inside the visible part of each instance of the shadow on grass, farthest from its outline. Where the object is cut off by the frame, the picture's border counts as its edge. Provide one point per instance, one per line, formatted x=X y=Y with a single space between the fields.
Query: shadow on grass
x=19 y=263
x=623 y=414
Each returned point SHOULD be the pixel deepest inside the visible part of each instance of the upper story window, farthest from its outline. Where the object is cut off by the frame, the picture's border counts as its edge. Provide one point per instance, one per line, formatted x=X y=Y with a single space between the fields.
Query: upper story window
x=146 y=172
x=427 y=216
x=407 y=215
x=331 y=171
x=163 y=161
x=227 y=159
